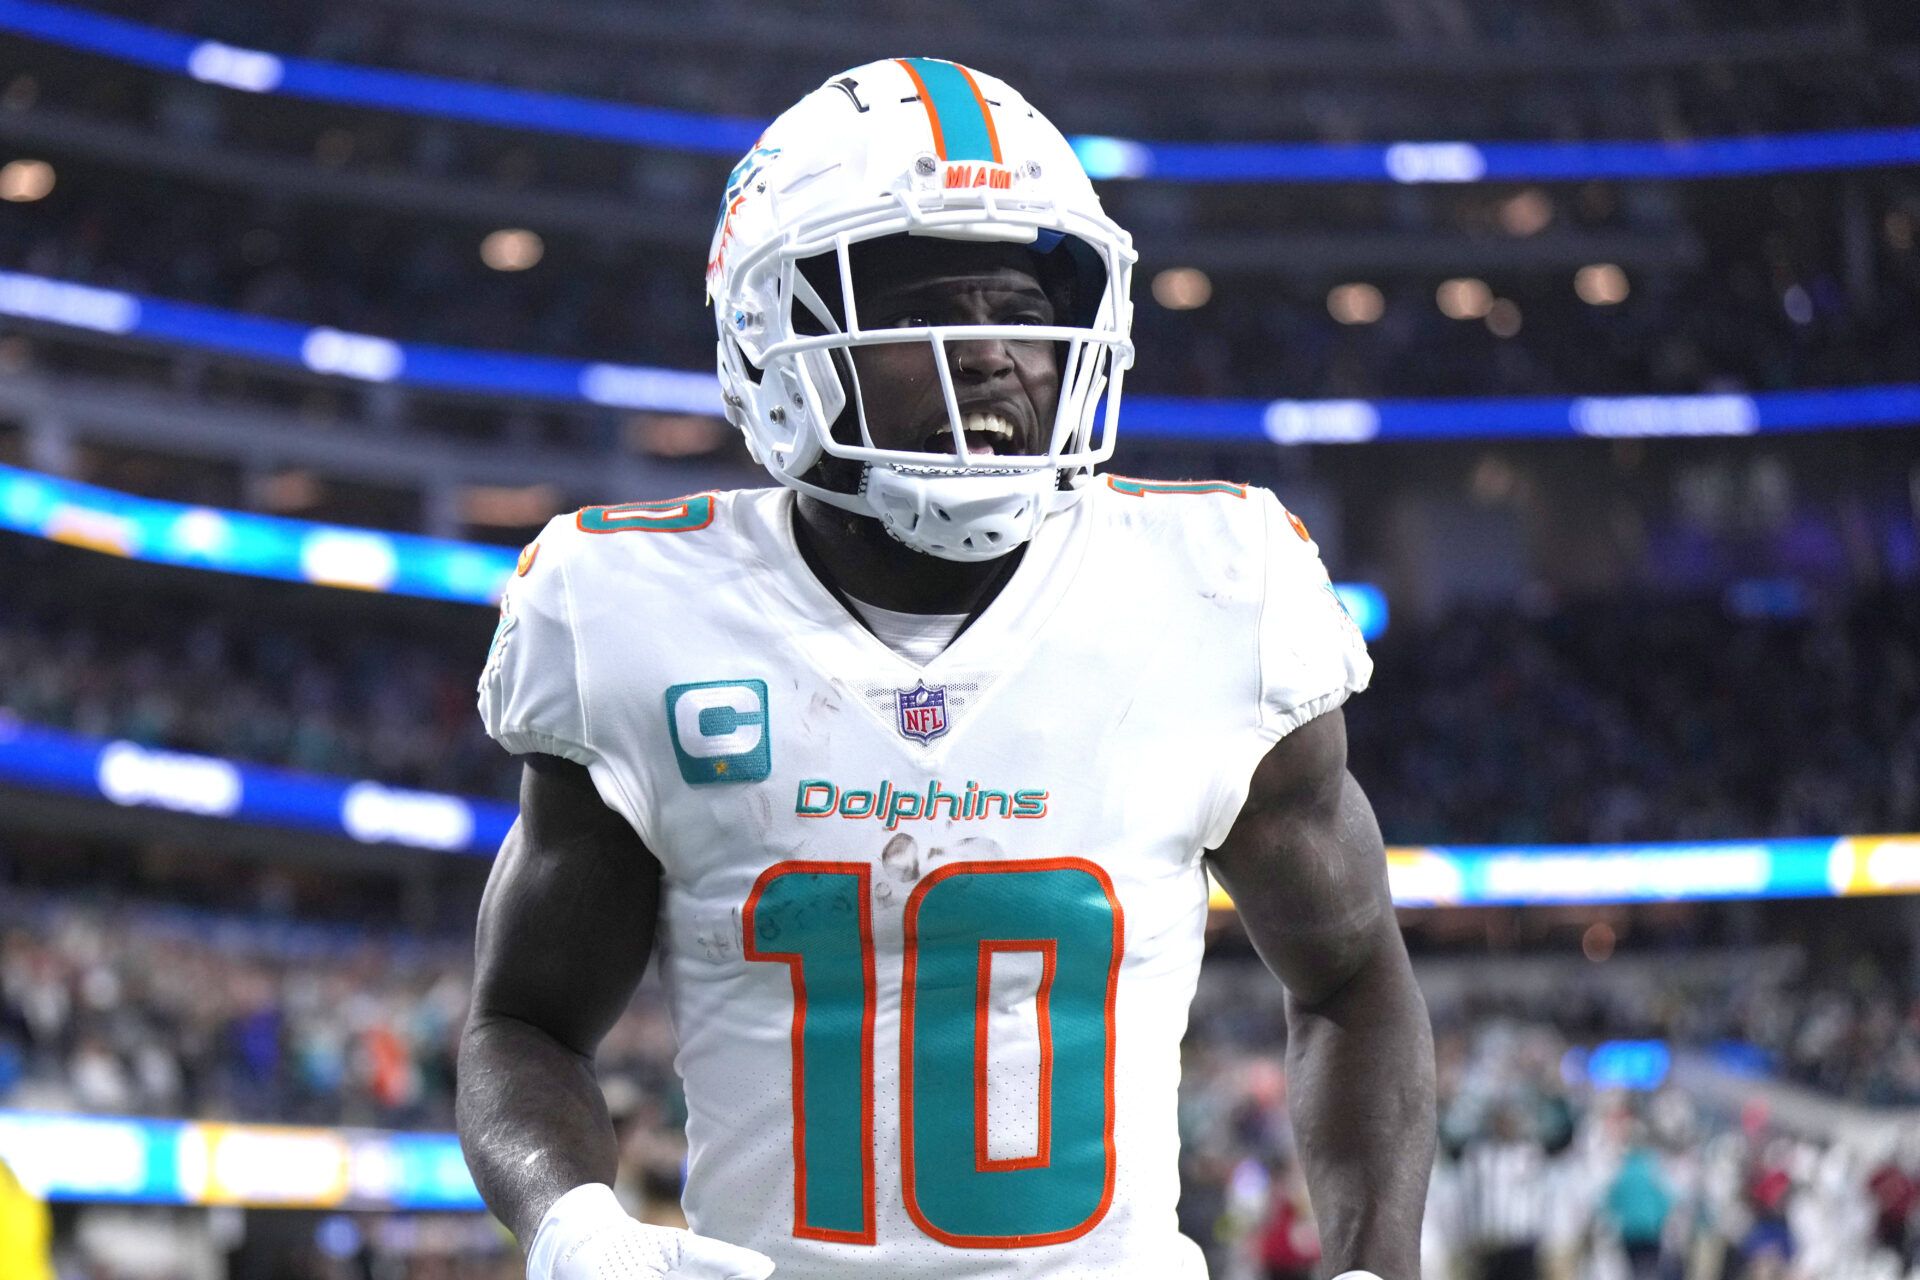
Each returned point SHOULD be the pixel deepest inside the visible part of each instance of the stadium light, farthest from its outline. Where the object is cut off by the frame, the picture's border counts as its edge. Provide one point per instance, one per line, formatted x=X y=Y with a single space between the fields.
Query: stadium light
x=512 y=249
x=508 y=506
x=292 y=490
x=24 y=181
x=1464 y=298
x=1356 y=303
x=1503 y=318
x=1526 y=214
x=1601 y=285
x=1182 y=288
x=1898 y=229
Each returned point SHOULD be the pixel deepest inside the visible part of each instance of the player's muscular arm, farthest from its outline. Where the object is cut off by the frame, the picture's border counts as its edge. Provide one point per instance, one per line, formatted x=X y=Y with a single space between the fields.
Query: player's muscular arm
x=565 y=930
x=1308 y=874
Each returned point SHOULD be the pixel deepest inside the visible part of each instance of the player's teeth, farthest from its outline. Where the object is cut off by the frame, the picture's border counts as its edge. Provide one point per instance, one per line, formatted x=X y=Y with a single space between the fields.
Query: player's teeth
x=987 y=424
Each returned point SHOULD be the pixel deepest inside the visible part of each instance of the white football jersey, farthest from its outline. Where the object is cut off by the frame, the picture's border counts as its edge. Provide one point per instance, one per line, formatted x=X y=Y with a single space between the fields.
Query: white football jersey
x=929 y=933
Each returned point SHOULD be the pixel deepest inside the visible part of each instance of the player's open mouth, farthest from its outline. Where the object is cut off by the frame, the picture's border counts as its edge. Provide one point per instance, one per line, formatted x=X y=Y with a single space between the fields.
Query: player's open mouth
x=986 y=433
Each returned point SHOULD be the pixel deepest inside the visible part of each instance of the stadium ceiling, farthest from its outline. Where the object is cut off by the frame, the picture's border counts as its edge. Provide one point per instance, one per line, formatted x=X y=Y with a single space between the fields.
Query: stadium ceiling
x=1406 y=162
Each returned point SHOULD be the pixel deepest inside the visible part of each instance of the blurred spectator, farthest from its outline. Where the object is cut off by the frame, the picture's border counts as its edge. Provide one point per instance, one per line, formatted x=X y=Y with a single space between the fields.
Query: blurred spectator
x=1768 y=1249
x=1503 y=1203
x=1638 y=1204
x=1289 y=1242
x=1895 y=1197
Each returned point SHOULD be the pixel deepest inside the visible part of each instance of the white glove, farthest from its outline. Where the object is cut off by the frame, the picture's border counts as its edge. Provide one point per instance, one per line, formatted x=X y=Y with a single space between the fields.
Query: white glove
x=1356 y=1275
x=586 y=1235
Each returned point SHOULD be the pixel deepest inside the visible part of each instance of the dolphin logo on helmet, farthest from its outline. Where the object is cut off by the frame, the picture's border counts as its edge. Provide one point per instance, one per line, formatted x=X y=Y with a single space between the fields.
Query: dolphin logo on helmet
x=917 y=147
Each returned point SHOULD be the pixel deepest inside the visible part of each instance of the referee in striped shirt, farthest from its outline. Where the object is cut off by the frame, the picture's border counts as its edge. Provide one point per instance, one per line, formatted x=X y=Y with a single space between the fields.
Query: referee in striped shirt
x=1503 y=1199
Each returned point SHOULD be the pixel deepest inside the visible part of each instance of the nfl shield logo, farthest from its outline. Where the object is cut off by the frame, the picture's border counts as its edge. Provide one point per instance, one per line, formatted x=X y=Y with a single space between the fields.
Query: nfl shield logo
x=923 y=712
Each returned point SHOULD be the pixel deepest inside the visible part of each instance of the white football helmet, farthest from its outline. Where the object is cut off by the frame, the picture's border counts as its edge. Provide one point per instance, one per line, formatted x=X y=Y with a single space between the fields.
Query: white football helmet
x=920 y=147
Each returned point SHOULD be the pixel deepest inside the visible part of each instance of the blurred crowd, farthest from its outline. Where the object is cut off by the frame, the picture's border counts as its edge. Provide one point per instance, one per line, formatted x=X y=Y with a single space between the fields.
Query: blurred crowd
x=1617 y=720
x=1626 y=719
x=1550 y=1166
x=178 y=1012
x=1547 y=1172
x=143 y=1009
x=375 y=699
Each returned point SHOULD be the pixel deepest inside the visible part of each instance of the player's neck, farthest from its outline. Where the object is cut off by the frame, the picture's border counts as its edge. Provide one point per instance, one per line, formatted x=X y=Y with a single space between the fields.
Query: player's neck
x=855 y=557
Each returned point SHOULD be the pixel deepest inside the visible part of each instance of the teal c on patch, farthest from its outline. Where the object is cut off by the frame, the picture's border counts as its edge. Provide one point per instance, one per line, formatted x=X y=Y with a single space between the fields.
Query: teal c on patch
x=963 y=122
x=720 y=731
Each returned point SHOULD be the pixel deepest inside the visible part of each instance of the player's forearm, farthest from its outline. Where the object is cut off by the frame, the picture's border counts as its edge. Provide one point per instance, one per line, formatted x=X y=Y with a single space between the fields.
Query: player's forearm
x=533 y=1124
x=1360 y=1073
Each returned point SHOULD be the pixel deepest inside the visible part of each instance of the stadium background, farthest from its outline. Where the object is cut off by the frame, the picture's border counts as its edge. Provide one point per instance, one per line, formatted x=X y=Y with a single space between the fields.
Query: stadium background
x=1586 y=337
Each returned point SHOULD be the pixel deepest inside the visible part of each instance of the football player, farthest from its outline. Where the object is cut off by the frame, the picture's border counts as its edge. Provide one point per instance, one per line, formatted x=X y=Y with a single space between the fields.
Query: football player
x=912 y=768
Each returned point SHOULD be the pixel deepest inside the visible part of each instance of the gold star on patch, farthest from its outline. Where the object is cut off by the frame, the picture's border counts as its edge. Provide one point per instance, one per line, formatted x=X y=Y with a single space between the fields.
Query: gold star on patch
x=719 y=766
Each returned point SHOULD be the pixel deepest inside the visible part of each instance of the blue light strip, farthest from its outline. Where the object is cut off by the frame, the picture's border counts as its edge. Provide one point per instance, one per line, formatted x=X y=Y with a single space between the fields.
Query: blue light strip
x=1708 y=870
x=367 y=358
x=360 y=356
x=1697 y=871
x=1422 y=876
x=1421 y=163
x=1602 y=417
x=172 y=533
x=253 y=71
x=208 y=786
x=240 y=542
x=124 y=1160
x=256 y=71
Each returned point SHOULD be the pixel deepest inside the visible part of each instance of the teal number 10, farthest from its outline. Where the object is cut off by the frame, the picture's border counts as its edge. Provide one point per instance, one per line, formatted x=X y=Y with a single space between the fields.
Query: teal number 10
x=816 y=918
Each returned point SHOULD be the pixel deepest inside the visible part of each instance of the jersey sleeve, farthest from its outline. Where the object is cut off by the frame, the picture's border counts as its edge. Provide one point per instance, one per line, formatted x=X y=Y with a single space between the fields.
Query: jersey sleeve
x=1312 y=657
x=531 y=695
x=1307 y=656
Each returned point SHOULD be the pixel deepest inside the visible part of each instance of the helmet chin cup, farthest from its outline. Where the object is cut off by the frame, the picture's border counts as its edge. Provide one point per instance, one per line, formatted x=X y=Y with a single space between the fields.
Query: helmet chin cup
x=956 y=515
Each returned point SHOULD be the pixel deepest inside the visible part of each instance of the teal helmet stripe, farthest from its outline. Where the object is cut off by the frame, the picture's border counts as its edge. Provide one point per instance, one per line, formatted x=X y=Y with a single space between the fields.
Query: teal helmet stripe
x=962 y=129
